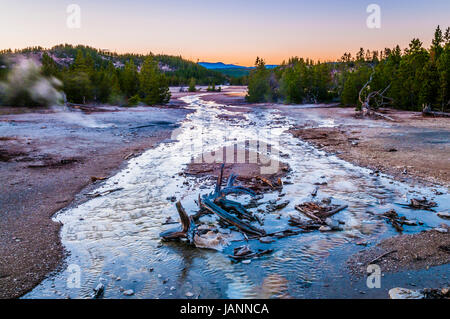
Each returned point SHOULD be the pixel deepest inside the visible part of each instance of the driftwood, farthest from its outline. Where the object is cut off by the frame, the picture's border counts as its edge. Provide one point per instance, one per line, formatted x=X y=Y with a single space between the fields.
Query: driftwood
x=398 y=221
x=423 y=203
x=186 y=230
x=98 y=291
x=380 y=257
x=103 y=193
x=306 y=226
x=216 y=201
x=317 y=212
x=244 y=252
x=393 y=218
x=273 y=184
x=427 y=111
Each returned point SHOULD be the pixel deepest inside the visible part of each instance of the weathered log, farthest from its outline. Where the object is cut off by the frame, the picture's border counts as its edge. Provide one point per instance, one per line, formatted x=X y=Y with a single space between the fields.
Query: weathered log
x=426 y=111
x=185 y=231
x=213 y=202
x=232 y=205
x=393 y=218
x=230 y=219
x=330 y=213
x=318 y=213
x=252 y=255
x=416 y=203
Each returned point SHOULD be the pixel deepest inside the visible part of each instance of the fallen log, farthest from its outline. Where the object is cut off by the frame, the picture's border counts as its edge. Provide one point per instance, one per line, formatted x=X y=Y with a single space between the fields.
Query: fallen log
x=259 y=253
x=317 y=212
x=212 y=203
x=308 y=214
x=424 y=204
x=186 y=230
x=230 y=219
x=426 y=111
x=333 y=211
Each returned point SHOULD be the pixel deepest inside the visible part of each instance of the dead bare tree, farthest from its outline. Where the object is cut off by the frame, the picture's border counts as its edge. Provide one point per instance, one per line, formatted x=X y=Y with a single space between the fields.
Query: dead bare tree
x=374 y=100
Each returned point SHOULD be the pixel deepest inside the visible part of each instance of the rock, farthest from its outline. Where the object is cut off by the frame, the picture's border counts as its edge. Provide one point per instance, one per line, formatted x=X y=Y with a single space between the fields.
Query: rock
x=225 y=231
x=427 y=293
x=333 y=224
x=266 y=240
x=412 y=222
x=441 y=230
x=171 y=198
x=445 y=215
x=189 y=294
x=98 y=291
x=211 y=240
x=324 y=228
x=128 y=292
x=403 y=293
x=242 y=250
x=204 y=227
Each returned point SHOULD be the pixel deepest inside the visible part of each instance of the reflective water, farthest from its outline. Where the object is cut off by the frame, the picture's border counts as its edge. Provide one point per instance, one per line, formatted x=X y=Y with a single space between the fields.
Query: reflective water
x=114 y=239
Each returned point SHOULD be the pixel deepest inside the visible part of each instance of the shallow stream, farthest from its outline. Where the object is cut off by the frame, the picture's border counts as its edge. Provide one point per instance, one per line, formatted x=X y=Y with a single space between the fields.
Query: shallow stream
x=114 y=239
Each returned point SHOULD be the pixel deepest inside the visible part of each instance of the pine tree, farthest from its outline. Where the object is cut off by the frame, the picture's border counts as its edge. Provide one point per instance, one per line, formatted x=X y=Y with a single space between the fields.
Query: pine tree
x=258 y=83
x=130 y=79
x=436 y=44
x=49 y=66
x=192 y=85
x=154 y=87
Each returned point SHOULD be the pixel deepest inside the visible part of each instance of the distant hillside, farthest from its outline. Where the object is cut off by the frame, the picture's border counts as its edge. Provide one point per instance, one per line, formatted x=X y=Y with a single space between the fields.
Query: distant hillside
x=234 y=72
x=231 y=70
x=220 y=65
x=223 y=66
x=178 y=70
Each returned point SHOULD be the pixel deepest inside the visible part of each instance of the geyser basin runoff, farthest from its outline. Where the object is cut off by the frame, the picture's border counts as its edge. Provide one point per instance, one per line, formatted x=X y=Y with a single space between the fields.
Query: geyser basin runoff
x=114 y=239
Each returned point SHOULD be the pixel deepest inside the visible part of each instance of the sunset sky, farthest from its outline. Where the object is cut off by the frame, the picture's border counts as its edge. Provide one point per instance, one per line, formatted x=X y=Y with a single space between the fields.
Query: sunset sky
x=228 y=31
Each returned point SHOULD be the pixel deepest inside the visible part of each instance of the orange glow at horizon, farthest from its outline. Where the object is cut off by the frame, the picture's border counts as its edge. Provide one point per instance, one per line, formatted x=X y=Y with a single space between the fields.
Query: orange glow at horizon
x=234 y=33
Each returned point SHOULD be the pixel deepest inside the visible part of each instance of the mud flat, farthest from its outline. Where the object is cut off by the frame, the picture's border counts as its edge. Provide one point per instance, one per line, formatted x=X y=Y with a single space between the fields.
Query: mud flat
x=411 y=252
x=46 y=159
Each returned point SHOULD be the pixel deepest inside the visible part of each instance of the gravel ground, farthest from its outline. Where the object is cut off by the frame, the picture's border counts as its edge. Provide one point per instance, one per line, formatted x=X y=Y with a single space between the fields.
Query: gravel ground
x=416 y=251
x=48 y=157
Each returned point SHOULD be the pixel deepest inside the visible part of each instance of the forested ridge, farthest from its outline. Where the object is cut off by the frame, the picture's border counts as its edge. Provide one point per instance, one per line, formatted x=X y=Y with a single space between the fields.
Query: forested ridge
x=409 y=79
x=87 y=74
